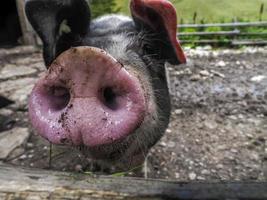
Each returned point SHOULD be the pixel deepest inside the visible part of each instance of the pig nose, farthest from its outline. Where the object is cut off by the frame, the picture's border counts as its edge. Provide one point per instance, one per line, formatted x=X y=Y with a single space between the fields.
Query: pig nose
x=87 y=98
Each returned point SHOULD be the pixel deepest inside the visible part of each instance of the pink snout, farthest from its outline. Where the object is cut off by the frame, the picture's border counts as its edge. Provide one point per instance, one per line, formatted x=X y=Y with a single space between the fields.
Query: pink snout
x=87 y=98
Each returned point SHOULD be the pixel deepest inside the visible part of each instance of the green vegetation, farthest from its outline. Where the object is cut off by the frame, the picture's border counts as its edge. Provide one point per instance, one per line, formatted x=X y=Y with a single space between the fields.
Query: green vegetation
x=219 y=10
x=247 y=33
x=196 y=11
x=203 y=11
x=214 y=10
x=100 y=7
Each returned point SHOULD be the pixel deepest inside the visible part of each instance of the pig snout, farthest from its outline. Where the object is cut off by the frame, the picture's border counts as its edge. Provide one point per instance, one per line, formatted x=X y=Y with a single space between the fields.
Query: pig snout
x=87 y=98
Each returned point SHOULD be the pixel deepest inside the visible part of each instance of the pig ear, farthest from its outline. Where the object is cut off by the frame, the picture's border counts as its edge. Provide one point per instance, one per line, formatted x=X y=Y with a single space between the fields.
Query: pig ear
x=159 y=17
x=48 y=17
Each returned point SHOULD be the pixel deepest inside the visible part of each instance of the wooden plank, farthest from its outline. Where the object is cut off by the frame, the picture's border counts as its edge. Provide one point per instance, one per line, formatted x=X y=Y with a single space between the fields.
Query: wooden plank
x=249 y=42
x=235 y=24
x=21 y=183
x=226 y=42
x=204 y=42
x=29 y=37
x=219 y=33
x=235 y=33
x=253 y=34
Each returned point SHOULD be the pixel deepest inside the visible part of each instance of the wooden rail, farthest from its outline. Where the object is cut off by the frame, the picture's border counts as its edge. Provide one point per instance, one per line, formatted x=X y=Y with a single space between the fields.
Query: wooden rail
x=234 y=37
x=24 y=184
x=226 y=42
x=234 y=24
x=220 y=33
x=248 y=42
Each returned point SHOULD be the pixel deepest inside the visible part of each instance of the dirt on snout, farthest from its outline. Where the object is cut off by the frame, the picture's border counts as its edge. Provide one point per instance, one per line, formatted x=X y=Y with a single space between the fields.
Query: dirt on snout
x=218 y=128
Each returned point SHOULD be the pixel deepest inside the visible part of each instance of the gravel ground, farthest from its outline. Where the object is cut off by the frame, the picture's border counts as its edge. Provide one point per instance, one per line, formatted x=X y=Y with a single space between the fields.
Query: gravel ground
x=218 y=128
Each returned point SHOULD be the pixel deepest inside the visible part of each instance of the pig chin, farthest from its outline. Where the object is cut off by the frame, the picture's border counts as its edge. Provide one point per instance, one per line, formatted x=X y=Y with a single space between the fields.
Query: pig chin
x=87 y=99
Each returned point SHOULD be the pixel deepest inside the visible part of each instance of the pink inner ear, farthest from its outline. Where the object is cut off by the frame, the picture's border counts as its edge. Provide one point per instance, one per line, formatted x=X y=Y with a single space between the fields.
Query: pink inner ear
x=167 y=13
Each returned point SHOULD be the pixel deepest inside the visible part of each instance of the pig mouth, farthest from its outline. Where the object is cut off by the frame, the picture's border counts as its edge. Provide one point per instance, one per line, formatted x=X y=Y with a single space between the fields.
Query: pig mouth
x=87 y=98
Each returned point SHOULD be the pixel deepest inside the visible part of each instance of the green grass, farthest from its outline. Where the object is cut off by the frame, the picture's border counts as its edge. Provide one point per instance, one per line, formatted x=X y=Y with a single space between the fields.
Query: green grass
x=213 y=10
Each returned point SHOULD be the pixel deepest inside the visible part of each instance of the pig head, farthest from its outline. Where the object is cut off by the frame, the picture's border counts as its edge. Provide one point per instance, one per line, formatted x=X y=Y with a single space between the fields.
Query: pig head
x=105 y=90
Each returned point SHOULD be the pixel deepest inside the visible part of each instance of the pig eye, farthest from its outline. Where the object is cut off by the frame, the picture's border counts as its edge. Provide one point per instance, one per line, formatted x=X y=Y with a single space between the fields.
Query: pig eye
x=110 y=98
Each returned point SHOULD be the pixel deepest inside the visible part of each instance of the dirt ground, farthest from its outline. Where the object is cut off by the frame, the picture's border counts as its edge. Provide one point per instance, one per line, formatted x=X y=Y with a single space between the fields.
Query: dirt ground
x=218 y=128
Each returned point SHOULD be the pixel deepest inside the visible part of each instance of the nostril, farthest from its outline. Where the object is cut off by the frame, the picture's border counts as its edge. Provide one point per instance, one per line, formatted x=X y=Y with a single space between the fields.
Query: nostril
x=110 y=98
x=57 y=97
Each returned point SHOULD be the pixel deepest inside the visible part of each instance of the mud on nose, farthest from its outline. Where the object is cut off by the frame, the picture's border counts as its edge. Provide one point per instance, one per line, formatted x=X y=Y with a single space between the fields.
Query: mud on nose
x=86 y=98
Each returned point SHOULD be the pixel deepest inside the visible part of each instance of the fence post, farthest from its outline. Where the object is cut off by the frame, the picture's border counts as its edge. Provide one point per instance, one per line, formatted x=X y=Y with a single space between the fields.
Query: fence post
x=236 y=28
x=261 y=11
x=28 y=35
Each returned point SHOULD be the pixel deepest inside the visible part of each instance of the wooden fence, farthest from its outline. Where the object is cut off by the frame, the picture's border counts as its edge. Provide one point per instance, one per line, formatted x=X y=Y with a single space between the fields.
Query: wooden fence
x=23 y=184
x=233 y=36
x=30 y=37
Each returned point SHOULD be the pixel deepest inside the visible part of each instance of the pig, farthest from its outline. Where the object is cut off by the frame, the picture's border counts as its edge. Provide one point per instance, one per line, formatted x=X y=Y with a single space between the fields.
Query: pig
x=105 y=90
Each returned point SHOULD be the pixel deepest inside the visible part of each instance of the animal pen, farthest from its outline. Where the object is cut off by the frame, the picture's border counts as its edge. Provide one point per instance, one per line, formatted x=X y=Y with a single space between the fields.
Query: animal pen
x=14 y=25
x=15 y=14
x=26 y=183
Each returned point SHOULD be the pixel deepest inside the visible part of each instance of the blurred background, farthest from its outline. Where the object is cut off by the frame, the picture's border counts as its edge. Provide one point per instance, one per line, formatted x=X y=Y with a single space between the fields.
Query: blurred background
x=13 y=23
x=205 y=12
x=210 y=11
